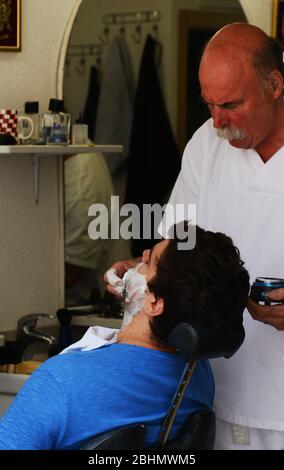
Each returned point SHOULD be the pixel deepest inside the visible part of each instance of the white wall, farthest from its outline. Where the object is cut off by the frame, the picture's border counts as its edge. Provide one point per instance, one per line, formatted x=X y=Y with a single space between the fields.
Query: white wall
x=31 y=250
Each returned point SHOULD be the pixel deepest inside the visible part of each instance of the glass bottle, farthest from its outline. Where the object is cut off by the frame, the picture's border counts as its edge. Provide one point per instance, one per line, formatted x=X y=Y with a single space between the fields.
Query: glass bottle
x=80 y=132
x=55 y=124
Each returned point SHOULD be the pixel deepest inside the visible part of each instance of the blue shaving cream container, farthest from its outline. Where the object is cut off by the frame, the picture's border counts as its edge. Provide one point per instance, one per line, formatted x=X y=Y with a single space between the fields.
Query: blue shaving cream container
x=262 y=286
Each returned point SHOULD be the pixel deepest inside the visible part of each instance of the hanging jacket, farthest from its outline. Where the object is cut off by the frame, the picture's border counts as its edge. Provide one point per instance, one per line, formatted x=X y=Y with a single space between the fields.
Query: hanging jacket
x=115 y=108
x=154 y=160
x=91 y=105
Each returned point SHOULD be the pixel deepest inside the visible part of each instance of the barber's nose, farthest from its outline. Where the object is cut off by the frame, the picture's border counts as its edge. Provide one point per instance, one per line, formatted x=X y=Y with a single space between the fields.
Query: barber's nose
x=219 y=116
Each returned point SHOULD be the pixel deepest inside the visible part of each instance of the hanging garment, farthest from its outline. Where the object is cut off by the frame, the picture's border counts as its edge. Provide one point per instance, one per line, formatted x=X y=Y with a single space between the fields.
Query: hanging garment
x=91 y=105
x=154 y=160
x=115 y=108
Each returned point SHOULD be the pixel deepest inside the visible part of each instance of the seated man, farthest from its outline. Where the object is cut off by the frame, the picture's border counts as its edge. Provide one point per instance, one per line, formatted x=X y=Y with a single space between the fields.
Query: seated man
x=75 y=396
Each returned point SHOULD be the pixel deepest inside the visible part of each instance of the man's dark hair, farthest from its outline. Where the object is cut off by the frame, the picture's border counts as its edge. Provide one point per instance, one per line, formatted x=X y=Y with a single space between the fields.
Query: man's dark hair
x=207 y=286
x=269 y=57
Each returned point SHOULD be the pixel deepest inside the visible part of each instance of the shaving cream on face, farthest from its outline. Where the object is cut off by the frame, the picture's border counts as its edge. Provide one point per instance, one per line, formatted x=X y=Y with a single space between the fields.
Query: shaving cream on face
x=135 y=286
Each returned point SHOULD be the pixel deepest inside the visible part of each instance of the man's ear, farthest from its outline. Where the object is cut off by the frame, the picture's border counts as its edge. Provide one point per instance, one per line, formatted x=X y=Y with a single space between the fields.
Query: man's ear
x=276 y=83
x=153 y=307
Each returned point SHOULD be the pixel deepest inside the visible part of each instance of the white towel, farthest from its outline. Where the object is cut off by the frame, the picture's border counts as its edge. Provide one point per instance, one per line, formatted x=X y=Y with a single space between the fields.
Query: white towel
x=95 y=337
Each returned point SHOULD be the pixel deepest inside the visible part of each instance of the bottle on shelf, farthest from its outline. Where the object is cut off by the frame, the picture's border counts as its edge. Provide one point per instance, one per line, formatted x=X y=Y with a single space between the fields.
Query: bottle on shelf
x=80 y=132
x=55 y=124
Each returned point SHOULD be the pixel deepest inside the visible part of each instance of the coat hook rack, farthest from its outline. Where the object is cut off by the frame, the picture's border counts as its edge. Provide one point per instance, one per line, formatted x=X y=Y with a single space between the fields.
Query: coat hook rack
x=82 y=50
x=151 y=16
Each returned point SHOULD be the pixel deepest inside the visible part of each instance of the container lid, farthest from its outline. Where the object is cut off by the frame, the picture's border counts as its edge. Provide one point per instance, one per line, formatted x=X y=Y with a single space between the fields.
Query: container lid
x=80 y=120
x=56 y=105
x=269 y=281
x=31 y=107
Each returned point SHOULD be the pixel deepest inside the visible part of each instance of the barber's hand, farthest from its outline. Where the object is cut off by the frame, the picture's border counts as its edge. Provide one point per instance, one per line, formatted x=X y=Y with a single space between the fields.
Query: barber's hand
x=121 y=267
x=272 y=315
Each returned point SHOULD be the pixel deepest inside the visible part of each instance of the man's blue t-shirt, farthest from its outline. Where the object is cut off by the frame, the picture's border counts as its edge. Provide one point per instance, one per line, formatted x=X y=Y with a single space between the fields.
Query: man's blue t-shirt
x=73 y=397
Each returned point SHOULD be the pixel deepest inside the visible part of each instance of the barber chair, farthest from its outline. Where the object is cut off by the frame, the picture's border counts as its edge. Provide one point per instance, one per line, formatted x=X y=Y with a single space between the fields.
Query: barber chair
x=198 y=432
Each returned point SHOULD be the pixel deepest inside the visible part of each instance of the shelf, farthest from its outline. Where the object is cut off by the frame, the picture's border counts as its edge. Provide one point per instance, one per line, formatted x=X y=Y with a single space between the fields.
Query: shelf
x=42 y=151
x=45 y=150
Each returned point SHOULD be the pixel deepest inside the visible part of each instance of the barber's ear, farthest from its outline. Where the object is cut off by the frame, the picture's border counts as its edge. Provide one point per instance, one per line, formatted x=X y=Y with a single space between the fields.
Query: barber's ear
x=153 y=307
x=276 y=81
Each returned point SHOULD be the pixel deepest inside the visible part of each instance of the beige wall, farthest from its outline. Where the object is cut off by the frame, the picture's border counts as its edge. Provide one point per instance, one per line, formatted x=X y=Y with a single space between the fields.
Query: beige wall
x=31 y=261
x=259 y=13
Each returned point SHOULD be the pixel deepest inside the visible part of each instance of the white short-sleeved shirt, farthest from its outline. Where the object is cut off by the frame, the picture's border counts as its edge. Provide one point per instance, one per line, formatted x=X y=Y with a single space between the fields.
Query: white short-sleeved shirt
x=238 y=194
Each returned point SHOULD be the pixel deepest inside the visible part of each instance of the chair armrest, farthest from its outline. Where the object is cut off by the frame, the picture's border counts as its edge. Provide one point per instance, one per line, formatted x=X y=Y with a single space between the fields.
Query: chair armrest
x=126 y=438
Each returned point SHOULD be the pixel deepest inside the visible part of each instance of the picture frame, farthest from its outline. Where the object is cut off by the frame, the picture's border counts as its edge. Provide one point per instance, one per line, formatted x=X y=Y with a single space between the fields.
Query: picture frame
x=278 y=20
x=10 y=25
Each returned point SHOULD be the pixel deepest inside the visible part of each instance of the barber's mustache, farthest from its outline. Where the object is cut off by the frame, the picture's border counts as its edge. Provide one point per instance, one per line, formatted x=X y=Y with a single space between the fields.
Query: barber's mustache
x=230 y=133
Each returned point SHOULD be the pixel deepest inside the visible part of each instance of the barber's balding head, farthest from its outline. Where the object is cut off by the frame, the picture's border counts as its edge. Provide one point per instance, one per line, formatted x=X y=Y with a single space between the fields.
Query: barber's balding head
x=250 y=45
x=241 y=78
x=245 y=35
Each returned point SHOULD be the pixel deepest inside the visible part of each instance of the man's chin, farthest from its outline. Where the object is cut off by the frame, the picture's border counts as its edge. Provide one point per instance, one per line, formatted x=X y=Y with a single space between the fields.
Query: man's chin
x=240 y=144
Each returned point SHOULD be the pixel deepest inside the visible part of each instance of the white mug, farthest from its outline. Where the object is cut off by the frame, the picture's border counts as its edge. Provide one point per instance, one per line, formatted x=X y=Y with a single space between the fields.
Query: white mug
x=25 y=128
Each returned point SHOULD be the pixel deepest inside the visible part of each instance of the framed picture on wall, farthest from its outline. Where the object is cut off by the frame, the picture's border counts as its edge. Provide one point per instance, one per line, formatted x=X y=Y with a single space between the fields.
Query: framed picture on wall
x=278 y=20
x=10 y=25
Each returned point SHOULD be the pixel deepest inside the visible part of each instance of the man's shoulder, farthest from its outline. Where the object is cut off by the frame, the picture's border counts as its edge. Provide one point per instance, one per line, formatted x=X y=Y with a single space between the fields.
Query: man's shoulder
x=68 y=368
x=205 y=137
x=203 y=147
x=62 y=361
x=206 y=130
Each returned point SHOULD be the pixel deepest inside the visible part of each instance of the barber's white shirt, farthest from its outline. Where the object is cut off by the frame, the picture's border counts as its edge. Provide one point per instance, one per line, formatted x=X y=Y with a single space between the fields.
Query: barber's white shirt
x=239 y=195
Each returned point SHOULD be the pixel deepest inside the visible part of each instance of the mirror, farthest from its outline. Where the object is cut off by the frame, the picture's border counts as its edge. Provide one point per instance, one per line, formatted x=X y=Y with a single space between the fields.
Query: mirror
x=107 y=39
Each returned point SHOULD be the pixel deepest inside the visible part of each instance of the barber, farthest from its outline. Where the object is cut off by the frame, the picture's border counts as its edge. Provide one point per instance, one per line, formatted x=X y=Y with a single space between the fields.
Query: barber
x=233 y=170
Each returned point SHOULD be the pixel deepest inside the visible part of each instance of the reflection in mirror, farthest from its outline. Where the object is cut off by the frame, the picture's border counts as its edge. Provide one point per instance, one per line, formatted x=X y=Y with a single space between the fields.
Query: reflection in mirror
x=101 y=80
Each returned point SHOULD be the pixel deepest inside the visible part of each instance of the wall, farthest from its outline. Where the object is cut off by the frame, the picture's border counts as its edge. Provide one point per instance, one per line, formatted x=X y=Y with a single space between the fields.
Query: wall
x=31 y=251
x=259 y=13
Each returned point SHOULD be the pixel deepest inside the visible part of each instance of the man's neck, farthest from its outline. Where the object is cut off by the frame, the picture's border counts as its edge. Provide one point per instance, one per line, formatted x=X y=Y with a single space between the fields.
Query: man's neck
x=275 y=140
x=139 y=333
x=266 y=150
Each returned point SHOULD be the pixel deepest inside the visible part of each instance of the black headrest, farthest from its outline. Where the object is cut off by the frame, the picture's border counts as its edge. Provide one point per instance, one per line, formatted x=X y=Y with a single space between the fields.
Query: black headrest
x=193 y=342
